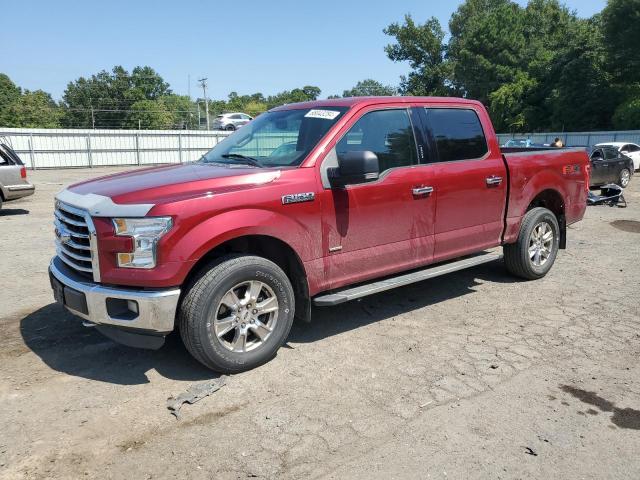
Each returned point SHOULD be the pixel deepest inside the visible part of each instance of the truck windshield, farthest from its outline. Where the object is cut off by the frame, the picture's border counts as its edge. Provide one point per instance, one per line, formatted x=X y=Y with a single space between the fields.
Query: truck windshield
x=276 y=139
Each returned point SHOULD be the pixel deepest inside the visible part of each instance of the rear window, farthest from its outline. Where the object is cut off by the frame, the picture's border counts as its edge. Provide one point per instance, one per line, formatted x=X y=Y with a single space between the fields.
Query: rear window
x=458 y=134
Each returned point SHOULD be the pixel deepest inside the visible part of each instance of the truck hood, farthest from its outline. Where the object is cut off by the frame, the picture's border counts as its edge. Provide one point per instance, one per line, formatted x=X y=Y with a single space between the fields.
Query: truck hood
x=173 y=182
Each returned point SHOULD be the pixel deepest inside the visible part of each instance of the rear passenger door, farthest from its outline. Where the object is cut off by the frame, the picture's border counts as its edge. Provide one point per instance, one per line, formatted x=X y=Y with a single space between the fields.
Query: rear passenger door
x=469 y=180
x=615 y=163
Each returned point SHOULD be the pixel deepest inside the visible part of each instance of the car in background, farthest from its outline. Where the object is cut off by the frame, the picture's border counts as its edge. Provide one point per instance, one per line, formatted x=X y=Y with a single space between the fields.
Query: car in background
x=231 y=121
x=608 y=165
x=13 y=176
x=631 y=150
x=518 y=143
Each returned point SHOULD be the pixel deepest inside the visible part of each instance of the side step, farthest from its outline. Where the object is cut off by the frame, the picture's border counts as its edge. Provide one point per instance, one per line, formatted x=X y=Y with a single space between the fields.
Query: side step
x=360 y=291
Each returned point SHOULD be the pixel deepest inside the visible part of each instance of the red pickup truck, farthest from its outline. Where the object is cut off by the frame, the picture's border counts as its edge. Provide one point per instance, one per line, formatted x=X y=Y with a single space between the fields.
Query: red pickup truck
x=311 y=203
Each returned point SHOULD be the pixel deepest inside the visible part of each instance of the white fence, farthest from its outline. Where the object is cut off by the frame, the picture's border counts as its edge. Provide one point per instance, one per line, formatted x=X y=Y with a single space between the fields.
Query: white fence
x=576 y=139
x=62 y=148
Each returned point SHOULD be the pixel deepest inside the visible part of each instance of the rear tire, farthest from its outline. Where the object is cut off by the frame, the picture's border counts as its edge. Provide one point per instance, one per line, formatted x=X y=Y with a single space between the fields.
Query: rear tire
x=535 y=251
x=625 y=178
x=230 y=128
x=220 y=317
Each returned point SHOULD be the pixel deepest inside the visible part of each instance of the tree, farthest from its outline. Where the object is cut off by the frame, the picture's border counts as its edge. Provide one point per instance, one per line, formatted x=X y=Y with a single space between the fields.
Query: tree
x=34 y=110
x=182 y=109
x=9 y=94
x=487 y=46
x=621 y=22
x=581 y=93
x=369 y=87
x=627 y=115
x=106 y=97
x=151 y=115
x=296 y=95
x=422 y=46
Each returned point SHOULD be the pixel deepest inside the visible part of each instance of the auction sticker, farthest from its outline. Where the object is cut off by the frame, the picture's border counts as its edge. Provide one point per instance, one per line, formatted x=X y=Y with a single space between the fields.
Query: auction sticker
x=326 y=114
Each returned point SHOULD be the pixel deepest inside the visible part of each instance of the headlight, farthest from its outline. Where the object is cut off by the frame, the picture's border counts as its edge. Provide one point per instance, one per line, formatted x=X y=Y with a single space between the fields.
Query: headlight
x=146 y=232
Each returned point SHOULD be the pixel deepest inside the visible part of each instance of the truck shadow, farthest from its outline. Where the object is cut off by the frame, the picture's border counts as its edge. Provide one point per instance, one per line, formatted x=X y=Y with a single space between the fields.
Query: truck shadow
x=65 y=345
x=329 y=321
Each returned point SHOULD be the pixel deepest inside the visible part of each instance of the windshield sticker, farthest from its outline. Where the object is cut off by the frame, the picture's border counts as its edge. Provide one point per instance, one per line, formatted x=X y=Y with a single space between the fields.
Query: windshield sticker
x=325 y=114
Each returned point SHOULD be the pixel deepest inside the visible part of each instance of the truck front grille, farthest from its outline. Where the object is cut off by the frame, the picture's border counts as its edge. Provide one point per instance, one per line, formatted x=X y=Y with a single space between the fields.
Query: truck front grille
x=76 y=240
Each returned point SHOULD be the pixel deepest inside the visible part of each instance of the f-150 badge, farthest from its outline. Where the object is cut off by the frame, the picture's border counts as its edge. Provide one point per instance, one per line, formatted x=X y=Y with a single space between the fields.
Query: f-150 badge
x=298 y=198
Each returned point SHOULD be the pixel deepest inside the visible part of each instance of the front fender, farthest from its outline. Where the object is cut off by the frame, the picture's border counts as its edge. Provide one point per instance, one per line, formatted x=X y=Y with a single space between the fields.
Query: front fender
x=205 y=236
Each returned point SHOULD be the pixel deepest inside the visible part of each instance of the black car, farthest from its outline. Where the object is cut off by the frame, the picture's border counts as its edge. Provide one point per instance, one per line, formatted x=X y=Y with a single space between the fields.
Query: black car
x=608 y=165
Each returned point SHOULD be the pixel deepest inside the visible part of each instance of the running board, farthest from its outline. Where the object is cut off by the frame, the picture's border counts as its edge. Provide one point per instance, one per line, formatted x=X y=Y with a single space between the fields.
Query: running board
x=360 y=291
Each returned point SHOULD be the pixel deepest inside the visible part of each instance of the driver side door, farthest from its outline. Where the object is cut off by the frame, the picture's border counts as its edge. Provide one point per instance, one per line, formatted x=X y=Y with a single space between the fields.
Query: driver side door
x=376 y=228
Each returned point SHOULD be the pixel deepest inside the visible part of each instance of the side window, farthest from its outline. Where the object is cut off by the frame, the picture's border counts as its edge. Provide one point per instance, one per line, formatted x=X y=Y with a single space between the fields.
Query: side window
x=387 y=133
x=610 y=154
x=632 y=148
x=236 y=117
x=458 y=134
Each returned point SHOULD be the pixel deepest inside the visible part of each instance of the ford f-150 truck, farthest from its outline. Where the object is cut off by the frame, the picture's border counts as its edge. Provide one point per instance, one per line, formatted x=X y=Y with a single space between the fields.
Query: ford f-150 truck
x=314 y=203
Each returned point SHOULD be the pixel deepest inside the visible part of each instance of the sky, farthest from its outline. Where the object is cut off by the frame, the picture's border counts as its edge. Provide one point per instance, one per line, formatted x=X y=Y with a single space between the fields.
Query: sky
x=244 y=46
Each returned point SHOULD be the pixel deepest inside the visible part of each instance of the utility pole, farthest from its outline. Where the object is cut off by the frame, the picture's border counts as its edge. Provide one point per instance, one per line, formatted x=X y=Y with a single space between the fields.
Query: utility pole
x=93 y=119
x=203 y=83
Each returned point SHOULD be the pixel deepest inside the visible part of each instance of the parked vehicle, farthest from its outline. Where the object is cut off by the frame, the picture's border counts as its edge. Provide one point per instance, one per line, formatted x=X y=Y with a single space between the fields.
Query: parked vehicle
x=231 y=121
x=608 y=165
x=377 y=193
x=630 y=150
x=518 y=143
x=13 y=176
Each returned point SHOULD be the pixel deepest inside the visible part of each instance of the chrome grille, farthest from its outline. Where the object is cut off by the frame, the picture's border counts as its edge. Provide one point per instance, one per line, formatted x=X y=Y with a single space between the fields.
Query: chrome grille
x=76 y=240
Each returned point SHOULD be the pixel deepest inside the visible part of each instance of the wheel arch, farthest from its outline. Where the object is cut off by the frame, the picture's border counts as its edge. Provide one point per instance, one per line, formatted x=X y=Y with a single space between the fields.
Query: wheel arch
x=552 y=200
x=271 y=248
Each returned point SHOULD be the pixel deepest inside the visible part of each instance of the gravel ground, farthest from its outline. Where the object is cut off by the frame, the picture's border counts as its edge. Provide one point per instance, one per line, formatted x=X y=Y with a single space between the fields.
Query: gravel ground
x=472 y=375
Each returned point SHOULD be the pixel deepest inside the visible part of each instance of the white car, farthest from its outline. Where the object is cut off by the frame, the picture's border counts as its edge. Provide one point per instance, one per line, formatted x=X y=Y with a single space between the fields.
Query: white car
x=631 y=150
x=231 y=121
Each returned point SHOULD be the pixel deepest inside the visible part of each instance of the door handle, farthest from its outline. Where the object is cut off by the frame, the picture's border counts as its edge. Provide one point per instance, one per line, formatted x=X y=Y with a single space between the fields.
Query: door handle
x=493 y=180
x=422 y=190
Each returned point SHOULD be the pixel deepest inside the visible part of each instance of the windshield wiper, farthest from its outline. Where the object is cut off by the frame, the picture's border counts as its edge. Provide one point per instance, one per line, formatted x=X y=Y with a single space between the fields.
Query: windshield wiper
x=243 y=158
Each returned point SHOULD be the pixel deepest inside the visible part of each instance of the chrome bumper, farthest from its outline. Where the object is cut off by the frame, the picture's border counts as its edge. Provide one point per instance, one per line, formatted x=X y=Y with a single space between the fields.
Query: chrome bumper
x=156 y=309
x=18 y=191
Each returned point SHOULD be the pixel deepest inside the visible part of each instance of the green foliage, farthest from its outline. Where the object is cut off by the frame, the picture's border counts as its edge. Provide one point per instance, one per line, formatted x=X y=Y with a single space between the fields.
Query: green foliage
x=34 y=110
x=369 y=87
x=110 y=95
x=621 y=22
x=149 y=114
x=537 y=67
x=184 y=115
x=422 y=46
x=9 y=94
x=627 y=115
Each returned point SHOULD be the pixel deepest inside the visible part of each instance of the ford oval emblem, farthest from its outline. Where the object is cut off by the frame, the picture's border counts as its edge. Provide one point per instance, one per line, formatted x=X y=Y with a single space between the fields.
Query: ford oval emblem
x=63 y=235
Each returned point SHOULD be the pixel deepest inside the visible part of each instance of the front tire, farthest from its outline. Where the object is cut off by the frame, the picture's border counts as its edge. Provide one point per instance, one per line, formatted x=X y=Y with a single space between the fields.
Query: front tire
x=230 y=128
x=535 y=251
x=237 y=313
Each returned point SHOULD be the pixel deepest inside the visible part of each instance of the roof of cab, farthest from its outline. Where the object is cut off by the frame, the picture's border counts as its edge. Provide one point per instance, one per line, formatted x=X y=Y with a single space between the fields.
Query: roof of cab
x=351 y=101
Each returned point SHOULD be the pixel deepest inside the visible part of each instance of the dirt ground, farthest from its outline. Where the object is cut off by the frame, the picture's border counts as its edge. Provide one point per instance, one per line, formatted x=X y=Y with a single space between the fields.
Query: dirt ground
x=472 y=375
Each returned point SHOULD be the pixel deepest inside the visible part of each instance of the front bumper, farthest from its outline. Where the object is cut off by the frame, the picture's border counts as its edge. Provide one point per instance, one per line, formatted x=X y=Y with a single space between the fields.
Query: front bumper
x=99 y=305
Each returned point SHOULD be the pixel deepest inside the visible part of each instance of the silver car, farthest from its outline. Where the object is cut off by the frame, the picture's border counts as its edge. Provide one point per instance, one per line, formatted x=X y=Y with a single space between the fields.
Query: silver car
x=231 y=121
x=13 y=176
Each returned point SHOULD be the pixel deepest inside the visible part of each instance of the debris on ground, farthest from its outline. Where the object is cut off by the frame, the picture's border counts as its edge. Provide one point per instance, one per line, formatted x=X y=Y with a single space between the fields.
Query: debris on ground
x=530 y=451
x=194 y=394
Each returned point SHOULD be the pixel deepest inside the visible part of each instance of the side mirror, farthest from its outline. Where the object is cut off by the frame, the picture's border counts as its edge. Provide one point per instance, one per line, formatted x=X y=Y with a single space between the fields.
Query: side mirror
x=358 y=166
